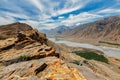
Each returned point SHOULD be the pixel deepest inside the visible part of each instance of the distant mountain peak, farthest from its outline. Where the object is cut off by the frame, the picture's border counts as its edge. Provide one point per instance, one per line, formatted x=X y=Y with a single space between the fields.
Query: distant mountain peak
x=58 y=30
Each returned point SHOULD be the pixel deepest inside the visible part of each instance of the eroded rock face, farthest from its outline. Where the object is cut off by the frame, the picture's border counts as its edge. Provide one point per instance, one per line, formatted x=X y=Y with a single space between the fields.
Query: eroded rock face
x=32 y=35
x=28 y=57
x=28 y=45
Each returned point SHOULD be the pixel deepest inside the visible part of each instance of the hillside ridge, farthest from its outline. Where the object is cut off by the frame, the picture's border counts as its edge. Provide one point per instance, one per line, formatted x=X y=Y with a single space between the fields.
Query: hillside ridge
x=107 y=29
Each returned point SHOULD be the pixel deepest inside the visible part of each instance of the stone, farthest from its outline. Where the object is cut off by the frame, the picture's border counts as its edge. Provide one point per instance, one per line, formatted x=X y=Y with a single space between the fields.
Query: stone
x=27 y=56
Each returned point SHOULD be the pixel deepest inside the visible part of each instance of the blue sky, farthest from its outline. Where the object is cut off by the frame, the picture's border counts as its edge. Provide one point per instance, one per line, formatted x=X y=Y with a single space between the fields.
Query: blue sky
x=47 y=14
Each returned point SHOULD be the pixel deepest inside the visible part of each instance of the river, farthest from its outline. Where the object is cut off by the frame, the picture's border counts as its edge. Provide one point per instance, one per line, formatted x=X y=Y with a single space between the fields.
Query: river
x=111 y=52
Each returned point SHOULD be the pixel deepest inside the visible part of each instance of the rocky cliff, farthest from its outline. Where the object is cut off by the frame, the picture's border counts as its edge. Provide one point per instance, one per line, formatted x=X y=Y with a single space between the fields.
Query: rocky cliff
x=25 y=55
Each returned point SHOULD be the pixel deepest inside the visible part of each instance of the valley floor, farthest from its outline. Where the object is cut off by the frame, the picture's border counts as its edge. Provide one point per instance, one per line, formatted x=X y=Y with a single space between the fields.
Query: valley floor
x=93 y=41
x=109 y=51
x=91 y=69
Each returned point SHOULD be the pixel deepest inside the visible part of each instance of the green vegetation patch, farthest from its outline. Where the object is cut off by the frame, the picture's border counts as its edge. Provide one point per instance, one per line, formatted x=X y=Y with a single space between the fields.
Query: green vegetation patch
x=110 y=43
x=23 y=57
x=92 y=55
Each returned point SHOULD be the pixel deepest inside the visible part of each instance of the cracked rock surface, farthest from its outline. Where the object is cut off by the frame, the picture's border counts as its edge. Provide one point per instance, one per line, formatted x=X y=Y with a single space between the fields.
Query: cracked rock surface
x=28 y=57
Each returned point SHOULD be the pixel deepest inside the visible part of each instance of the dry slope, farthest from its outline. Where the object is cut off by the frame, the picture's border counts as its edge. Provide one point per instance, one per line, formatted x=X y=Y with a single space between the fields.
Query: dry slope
x=107 y=29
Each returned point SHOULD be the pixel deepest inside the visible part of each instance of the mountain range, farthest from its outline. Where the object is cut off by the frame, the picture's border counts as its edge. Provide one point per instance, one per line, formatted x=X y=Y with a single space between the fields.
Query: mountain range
x=107 y=29
x=58 y=30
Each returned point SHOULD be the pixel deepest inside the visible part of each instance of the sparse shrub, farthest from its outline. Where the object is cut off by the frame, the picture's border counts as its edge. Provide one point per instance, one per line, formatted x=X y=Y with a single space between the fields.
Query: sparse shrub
x=76 y=62
x=16 y=60
x=23 y=57
x=110 y=43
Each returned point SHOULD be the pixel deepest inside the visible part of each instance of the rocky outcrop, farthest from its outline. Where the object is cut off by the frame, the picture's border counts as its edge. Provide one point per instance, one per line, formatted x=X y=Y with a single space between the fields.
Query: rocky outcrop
x=27 y=56
x=50 y=68
x=26 y=45
x=32 y=35
x=11 y=30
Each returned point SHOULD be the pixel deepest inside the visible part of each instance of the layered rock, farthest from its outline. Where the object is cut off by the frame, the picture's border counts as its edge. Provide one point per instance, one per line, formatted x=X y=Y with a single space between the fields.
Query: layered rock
x=11 y=30
x=27 y=56
x=50 y=68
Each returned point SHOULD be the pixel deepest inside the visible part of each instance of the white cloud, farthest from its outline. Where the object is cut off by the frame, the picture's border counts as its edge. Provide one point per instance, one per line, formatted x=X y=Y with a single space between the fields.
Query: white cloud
x=53 y=9
x=38 y=4
x=34 y=24
x=67 y=8
x=10 y=14
x=61 y=17
x=72 y=20
x=10 y=5
x=71 y=5
x=82 y=17
x=6 y=20
x=63 y=11
x=109 y=10
x=48 y=25
x=50 y=8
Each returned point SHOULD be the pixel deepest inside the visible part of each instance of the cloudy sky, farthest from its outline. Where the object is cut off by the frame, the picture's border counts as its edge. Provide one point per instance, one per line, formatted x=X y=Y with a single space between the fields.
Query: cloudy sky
x=47 y=14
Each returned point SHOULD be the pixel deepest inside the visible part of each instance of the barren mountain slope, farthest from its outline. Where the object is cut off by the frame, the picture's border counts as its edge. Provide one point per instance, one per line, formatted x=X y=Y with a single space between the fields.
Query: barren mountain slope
x=107 y=29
